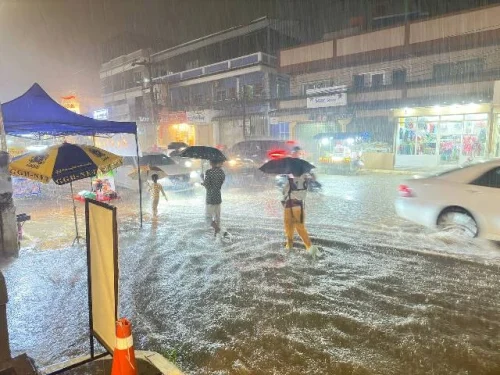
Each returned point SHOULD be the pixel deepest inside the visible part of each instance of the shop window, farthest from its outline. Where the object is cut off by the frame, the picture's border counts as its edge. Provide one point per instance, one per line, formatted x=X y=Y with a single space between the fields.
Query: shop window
x=221 y=95
x=232 y=93
x=462 y=69
x=377 y=80
x=417 y=135
x=248 y=91
x=192 y=64
x=118 y=82
x=280 y=131
x=259 y=90
x=283 y=89
x=475 y=135
x=198 y=99
x=107 y=85
x=489 y=179
x=359 y=81
x=399 y=76
x=139 y=106
x=138 y=79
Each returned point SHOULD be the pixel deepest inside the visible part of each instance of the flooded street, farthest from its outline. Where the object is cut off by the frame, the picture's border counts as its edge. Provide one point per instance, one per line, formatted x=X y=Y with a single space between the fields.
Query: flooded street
x=385 y=297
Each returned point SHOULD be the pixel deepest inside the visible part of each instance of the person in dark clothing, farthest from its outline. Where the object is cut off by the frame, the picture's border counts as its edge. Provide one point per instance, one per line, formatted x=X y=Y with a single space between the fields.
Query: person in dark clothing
x=214 y=178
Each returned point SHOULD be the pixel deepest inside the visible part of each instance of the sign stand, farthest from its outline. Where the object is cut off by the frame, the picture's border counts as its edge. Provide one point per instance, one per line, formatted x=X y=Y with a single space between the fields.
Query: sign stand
x=102 y=249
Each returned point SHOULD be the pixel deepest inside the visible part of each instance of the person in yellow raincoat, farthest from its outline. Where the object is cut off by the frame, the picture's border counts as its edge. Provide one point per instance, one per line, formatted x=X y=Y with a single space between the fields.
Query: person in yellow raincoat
x=294 y=196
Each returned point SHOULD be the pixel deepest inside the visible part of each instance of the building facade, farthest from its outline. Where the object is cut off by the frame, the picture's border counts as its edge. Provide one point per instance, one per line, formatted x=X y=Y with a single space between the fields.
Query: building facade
x=214 y=90
x=124 y=88
x=424 y=93
x=219 y=89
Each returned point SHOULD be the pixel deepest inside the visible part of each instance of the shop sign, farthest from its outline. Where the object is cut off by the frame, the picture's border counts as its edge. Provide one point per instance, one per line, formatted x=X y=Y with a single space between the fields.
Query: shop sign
x=200 y=117
x=101 y=114
x=71 y=103
x=335 y=100
x=173 y=118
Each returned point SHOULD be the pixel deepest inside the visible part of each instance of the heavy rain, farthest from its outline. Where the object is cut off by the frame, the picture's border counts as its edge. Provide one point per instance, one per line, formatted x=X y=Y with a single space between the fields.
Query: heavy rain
x=369 y=125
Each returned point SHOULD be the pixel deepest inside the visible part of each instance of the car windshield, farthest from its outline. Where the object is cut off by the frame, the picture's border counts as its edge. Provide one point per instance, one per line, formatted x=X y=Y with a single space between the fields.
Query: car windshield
x=157 y=160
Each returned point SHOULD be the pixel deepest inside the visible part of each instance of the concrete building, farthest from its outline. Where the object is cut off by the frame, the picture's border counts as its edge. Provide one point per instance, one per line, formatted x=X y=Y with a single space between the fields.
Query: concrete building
x=219 y=89
x=123 y=86
x=215 y=89
x=425 y=93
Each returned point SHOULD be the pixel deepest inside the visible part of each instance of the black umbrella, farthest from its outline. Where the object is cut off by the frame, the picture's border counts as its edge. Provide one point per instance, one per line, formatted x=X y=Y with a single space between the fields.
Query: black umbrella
x=203 y=152
x=294 y=166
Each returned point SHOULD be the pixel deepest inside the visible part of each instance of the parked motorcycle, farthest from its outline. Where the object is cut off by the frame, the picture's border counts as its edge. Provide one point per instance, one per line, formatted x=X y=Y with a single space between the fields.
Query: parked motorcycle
x=356 y=164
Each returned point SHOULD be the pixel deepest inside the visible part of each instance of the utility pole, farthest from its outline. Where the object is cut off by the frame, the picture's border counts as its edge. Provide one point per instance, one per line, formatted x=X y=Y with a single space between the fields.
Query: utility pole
x=242 y=102
x=148 y=65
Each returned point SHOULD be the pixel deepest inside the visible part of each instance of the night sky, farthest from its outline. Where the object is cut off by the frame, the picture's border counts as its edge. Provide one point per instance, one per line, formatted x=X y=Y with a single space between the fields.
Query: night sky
x=57 y=42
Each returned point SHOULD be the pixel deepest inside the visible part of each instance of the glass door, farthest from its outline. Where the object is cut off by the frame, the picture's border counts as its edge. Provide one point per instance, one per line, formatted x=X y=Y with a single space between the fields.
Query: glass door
x=450 y=139
x=475 y=139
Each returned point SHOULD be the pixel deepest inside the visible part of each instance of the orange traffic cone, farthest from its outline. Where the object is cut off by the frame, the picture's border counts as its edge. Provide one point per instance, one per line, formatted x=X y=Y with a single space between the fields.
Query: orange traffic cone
x=124 y=356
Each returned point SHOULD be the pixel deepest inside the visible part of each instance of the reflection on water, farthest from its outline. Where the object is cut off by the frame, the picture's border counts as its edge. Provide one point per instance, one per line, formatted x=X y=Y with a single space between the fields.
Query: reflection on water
x=379 y=300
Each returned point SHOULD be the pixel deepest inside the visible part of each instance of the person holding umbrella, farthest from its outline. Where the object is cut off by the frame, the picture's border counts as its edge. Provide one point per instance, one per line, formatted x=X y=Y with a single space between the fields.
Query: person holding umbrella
x=294 y=196
x=213 y=181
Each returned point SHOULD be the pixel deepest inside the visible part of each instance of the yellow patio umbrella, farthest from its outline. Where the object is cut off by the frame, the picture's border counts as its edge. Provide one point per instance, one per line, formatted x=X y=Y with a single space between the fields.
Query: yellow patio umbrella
x=64 y=164
x=147 y=171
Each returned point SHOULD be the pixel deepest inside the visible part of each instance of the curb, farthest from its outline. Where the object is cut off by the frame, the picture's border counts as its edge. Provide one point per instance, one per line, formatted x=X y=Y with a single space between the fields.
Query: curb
x=389 y=171
x=157 y=360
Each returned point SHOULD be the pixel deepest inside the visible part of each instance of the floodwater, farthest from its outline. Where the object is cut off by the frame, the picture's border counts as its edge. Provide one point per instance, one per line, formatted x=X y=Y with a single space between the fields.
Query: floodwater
x=385 y=297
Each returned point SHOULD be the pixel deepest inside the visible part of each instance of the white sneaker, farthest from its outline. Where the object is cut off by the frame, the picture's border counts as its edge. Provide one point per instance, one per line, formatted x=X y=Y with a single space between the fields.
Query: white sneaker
x=314 y=251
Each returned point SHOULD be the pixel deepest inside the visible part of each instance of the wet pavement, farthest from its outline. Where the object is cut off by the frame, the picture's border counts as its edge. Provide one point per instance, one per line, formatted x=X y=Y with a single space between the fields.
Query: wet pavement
x=386 y=297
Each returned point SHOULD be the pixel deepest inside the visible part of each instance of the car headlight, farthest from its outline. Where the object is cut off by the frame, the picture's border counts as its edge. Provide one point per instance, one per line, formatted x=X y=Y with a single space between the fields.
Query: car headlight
x=188 y=164
x=232 y=163
x=193 y=174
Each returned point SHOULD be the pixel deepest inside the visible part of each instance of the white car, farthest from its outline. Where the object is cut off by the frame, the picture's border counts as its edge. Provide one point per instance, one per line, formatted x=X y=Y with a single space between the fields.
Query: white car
x=179 y=178
x=465 y=200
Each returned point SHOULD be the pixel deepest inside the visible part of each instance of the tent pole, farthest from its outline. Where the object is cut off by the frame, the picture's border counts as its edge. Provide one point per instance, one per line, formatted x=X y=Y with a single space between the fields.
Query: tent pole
x=91 y=178
x=77 y=238
x=139 y=174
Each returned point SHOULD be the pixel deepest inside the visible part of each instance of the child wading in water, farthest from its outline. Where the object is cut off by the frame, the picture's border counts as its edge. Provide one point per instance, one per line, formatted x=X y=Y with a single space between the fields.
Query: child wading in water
x=155 y=189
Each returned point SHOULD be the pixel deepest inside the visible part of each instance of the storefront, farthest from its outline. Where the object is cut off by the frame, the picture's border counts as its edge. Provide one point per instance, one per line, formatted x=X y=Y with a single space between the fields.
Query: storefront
x=192 y=128
x=496 y=136
x=433 y=136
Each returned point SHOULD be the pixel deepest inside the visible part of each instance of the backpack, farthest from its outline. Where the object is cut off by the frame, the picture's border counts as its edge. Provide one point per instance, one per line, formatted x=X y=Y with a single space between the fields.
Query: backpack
x=297 y=187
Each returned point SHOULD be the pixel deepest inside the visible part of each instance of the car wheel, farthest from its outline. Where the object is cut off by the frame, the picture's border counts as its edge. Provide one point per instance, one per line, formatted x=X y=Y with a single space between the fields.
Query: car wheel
x=459 y=221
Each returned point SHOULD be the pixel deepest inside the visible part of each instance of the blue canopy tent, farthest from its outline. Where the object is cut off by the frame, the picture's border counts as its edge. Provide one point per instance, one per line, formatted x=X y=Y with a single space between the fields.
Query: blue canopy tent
x=35 y=114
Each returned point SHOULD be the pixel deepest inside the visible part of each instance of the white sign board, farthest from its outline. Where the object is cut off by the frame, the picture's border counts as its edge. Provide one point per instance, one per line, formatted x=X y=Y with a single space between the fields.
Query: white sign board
x=102 y=253
x=200 y=117
x=101 y=114
x=334 y=100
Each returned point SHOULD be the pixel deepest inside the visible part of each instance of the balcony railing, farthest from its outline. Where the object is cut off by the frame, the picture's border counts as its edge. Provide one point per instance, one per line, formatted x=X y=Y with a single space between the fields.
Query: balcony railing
x=223 y=66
